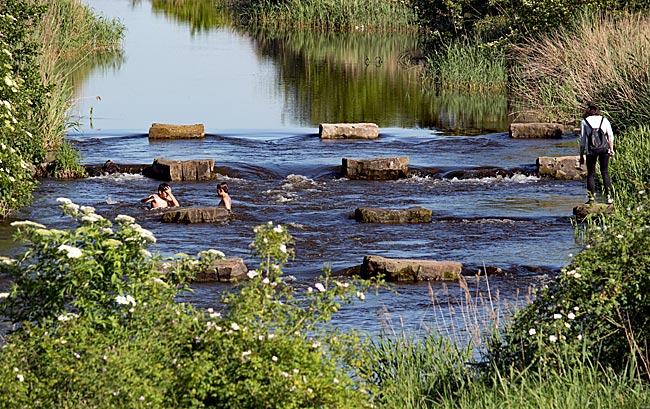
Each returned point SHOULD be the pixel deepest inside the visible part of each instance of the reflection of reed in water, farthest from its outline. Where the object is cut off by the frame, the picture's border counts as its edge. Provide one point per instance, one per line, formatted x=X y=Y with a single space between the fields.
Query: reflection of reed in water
x=371 y=77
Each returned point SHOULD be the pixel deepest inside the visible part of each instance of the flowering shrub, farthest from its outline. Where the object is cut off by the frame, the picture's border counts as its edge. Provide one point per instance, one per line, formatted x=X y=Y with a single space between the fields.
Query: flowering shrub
x=597 y=308
x=100 y=325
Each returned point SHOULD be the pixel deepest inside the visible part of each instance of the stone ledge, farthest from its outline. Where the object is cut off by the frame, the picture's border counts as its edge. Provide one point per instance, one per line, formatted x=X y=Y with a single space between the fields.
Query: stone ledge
x=224 y=270
x=349 y=131
x=584 y=211
x=375 y=168
x=536 y=130
x=410 y=270
x=561 y=167
x=193 y=215
x=172 y=131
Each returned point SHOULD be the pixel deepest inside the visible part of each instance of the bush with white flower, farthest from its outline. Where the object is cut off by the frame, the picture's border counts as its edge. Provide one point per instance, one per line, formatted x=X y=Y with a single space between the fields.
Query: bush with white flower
x=597 y=308
x=99 y=324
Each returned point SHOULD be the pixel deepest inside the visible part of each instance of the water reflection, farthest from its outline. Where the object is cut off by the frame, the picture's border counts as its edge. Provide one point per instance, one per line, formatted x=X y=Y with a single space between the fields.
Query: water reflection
x=321 y=77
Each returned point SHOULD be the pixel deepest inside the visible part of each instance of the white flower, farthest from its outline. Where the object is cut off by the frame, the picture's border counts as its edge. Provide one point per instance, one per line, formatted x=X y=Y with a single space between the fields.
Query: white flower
x=88 y=209
x=286 y=375
x=20 y=377
x=532 y=331
x=72 y=252
x=557 y=316
x=335 y=380
x=642 y=192
x=552 y=338
x=4 y=295
x=619 y=236
x=27 y=223
x=125 y=300
x=246 y=353
x=252 y=274
x=278 y=229
x=67 y=317
x=343 y=285
x=579 y=337
x=361 y=295
x=283 y=248
x=577 y=275
x=310 y=390
x=566 y=324
x=570 y=316
x=274 y=358
x=122 y=218
x=310 y=290
x=320 y=287
x=234 y=326
x=266 y=280
x=64 y=201
x=7 y=261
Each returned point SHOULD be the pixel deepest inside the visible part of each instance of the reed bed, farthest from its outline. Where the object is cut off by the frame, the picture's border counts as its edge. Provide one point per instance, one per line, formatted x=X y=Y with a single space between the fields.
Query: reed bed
x=599 y=58
x=68 y=32
x=329 y=14
x=467 y=65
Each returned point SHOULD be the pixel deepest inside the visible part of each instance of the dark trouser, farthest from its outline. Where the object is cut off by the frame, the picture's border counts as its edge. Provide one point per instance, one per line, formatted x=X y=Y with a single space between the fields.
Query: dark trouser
x=603 y=158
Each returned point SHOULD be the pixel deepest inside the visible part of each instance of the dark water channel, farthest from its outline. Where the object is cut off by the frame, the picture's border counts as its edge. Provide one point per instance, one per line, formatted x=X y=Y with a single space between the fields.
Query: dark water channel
x=261 y=97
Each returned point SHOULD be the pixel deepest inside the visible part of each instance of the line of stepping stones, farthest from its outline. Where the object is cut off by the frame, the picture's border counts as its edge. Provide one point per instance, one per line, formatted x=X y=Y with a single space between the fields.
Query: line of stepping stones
x=565 y=167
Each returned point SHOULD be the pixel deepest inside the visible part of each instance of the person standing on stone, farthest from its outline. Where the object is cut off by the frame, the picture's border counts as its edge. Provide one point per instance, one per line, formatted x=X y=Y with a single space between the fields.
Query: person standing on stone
x=593 y=119
x=222 y=192
x=164 y=197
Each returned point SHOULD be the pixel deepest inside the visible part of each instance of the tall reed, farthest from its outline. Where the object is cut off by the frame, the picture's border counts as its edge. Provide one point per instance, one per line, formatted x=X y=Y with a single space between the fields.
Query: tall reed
x=328 y=14
x=463 y=64
x=600 y=58
x=68 y=31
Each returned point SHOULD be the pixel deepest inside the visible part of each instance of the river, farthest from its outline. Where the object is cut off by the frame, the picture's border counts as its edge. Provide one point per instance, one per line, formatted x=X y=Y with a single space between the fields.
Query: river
x=261 y=97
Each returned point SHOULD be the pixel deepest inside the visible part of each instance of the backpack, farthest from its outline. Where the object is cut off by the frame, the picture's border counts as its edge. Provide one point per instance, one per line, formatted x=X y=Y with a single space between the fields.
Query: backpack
x=597 y=139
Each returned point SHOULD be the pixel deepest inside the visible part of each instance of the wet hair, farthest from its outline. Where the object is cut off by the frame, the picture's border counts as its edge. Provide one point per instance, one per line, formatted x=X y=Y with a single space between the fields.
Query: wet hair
x=163 y=186
x=223 y=186
x=592 y=109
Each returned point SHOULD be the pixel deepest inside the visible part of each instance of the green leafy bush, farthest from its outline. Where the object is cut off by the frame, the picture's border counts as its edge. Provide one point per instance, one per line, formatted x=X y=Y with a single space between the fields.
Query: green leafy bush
x=100 y=326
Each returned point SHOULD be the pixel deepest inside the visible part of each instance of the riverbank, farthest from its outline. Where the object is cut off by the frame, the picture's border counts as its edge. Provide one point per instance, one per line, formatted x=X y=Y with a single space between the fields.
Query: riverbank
x=40 y=42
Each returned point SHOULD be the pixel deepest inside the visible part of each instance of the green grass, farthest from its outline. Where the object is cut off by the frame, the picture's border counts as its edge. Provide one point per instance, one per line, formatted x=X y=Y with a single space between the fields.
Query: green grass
x=467 y=65
x=328 y=14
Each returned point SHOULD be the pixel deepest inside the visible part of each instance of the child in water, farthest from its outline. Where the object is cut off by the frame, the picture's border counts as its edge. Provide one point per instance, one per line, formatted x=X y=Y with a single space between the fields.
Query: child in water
x=222 y=192
x=164 y=197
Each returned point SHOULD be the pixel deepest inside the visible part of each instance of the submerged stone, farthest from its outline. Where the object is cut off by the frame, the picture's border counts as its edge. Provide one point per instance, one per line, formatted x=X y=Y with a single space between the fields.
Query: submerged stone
x=416 y=214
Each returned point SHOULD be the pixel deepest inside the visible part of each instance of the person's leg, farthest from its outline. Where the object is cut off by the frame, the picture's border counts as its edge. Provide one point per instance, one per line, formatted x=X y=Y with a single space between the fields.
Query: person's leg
x=603 y=159
x=591 y=175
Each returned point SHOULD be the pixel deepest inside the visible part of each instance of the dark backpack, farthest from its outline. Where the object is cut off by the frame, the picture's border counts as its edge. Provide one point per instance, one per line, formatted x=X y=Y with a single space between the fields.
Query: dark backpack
x=597 y=139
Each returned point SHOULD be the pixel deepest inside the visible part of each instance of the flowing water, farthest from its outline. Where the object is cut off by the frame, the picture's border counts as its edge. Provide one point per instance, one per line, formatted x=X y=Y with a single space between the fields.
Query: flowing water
x=261 y=97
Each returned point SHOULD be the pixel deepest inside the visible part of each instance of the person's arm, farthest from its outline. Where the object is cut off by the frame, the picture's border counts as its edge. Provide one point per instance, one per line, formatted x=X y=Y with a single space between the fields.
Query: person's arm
x=172 y=198
x=147 y=199
x=583 y=139
x=610 y=137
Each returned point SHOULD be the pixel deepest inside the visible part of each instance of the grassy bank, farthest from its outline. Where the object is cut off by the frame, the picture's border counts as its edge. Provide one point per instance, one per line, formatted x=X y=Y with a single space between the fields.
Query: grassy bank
x=40 y=38
x=599 y=58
